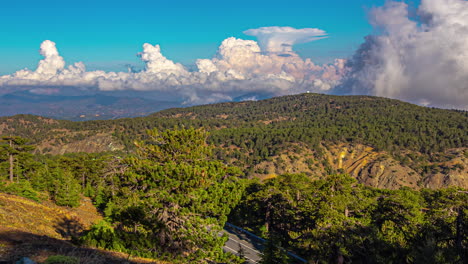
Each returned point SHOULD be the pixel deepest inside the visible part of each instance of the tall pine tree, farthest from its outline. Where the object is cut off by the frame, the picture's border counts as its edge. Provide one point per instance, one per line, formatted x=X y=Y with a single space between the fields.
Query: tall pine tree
x=174 y=198
x=12 y=146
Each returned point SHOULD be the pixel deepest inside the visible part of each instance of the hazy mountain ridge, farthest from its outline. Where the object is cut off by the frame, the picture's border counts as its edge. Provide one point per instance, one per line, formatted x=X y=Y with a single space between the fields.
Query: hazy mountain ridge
x=79 y=107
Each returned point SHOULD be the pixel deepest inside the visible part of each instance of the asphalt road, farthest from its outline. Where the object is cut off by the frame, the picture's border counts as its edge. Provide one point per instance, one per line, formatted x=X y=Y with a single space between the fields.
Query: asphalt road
x=251 y=246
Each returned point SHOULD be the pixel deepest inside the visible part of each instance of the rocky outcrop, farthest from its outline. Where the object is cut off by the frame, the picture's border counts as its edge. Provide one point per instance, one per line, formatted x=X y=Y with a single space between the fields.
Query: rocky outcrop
x=372 y=168
x=454 y=172
x=380 y=169
x=100 y=142
x=368 y=166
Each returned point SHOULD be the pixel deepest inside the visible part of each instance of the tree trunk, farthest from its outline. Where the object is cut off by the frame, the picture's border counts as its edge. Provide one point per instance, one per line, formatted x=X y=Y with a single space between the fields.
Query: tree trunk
x=267 y=217
x=459 y=235
x=11 y=162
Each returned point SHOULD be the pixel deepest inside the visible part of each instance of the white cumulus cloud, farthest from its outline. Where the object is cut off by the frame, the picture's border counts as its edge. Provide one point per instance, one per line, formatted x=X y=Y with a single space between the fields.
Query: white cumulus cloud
x=422 y=60
x=282 y=39
x=239 y=67
x=157 y=63
x=52 y=61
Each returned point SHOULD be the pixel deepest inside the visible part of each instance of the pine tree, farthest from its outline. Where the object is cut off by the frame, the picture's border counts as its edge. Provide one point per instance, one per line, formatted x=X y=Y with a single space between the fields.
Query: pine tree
x=12 y=146
x=66 y=189
x=273 y=253
x=173 y=197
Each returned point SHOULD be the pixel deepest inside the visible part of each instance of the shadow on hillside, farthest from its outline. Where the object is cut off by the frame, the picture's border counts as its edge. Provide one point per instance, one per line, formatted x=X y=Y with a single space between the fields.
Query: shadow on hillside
x=69 y=228
x=17 y=244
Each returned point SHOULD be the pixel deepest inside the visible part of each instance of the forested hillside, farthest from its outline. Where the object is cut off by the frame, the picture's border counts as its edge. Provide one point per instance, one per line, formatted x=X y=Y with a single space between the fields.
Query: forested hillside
x=367 y=137
x=381 y=142
x=170 y=197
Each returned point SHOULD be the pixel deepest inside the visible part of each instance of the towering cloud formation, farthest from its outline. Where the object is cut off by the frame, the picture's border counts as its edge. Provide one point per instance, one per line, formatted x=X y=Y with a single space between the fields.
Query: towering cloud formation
x=239 y=67
x=50 y=71
x=281 y=39
x=52 y=61
x=157 y=63
x=423 y=61
x=246 y=60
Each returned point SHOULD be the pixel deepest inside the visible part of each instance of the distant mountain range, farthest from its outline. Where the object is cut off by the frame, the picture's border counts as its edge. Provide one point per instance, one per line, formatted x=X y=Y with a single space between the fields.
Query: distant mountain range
x=71 y=104
x=79 y=107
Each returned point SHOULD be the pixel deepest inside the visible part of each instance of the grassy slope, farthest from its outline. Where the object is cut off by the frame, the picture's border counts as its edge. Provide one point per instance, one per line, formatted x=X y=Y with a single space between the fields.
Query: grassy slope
x=39 y=230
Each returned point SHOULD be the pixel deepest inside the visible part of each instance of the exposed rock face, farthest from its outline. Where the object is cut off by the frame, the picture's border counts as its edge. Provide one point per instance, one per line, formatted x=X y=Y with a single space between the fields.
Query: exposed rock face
x=455 y=172
x=369 y=167
x=387 y=174
x=379 y=169
x=101 y=142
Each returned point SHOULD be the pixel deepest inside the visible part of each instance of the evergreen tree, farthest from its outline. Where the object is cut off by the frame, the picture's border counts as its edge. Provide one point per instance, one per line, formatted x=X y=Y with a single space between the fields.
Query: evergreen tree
x=174 y=198
x=273 y=253
x=12 y=146
x=66 y=189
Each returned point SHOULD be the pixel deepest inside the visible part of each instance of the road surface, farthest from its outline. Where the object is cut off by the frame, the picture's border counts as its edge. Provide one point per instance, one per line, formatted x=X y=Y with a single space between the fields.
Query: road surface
x=250 y=244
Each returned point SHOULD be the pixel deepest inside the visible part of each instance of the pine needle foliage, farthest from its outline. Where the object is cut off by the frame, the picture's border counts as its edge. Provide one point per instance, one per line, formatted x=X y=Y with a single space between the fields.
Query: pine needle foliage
x=173 y=198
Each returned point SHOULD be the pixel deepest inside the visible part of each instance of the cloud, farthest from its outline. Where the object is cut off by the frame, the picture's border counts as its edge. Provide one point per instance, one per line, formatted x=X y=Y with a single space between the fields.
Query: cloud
x=244 y=59
x=46 y=91
x=50 y=71
x=240 y=67
x=282 y=39
x=157 y=63
x=52 y=61
x=423 y=60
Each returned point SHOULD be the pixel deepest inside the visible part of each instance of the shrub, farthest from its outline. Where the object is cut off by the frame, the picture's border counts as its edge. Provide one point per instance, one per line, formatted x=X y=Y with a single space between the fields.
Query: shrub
x=103 y=235
x=60 y=259
x=23 y=189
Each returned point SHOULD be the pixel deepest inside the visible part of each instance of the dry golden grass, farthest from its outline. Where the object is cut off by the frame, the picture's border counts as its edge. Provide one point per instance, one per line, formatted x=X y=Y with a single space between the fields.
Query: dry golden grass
x=38 y=230
x=17 y=213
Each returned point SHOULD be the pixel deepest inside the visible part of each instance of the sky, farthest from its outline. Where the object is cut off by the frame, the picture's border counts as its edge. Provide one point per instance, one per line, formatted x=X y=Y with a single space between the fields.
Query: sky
x=199 y=52
x=107 y=35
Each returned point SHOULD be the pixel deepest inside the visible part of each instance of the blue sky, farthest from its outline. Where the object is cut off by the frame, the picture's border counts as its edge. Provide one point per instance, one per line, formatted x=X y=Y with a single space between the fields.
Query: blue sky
x=108 y=34
x=408 y=56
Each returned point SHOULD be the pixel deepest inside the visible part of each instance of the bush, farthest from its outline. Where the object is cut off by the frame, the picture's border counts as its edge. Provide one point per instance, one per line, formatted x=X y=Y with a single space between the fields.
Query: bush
x=60 y=259
x=23 y=189
x=102 y=235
